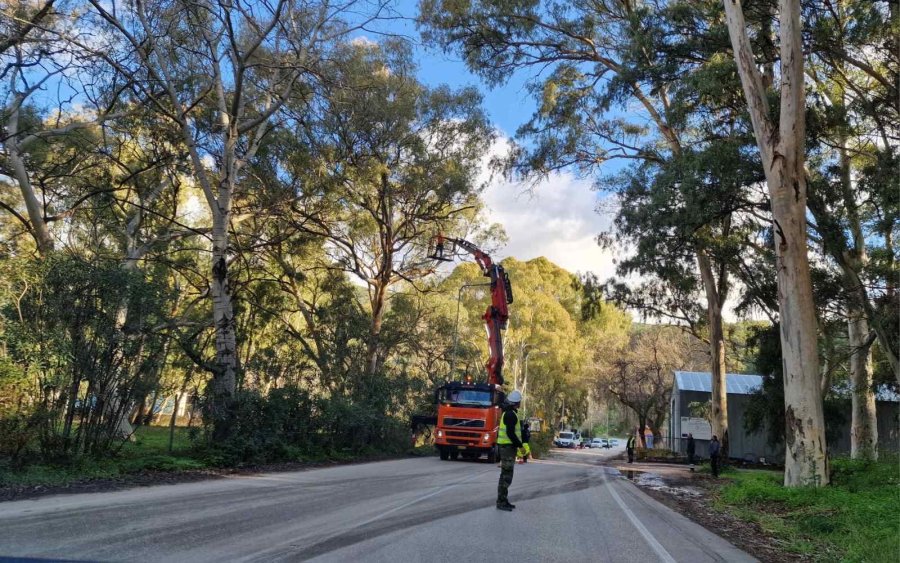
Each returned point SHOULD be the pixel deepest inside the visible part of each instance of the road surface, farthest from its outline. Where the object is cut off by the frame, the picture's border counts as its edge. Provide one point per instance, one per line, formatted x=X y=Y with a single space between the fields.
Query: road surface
x=570 y=508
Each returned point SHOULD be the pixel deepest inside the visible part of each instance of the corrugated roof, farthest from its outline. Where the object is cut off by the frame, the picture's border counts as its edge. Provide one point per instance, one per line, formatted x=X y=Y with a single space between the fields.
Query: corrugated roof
x=745 y=384
x=735 y=383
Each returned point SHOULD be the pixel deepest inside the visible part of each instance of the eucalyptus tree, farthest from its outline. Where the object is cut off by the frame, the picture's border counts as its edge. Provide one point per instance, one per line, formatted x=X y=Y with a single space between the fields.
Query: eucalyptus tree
x=589 y=61
x=388 y=162
x=52 y=92
x=782 y=149
x=854 y=108
x=219 y=71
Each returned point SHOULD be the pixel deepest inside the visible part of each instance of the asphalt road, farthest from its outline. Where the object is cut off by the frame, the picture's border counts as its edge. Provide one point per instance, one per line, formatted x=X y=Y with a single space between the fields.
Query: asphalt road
x=570 y=508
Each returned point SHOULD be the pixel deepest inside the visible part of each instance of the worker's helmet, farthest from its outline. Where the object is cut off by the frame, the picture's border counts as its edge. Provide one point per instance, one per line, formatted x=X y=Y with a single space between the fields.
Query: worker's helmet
x=514 y=397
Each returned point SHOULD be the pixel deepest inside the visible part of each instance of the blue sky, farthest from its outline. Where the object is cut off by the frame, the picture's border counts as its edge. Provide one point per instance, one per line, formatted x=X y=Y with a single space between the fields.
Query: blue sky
x=557 y=218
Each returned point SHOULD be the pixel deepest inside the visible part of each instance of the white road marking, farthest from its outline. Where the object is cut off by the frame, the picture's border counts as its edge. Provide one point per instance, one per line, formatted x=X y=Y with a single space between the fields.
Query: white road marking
x=651 y=541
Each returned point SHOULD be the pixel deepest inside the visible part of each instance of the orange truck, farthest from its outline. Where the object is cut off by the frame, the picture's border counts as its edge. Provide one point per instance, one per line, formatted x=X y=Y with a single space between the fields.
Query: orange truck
x=468 y=414
x=467 y=420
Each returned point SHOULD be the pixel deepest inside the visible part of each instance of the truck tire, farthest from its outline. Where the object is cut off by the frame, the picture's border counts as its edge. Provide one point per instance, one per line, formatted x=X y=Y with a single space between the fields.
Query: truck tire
x=445 y=455
x=454 y=456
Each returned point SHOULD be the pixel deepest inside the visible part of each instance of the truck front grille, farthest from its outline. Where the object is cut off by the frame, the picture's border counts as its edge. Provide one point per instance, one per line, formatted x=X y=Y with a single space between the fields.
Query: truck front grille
x=464 y=422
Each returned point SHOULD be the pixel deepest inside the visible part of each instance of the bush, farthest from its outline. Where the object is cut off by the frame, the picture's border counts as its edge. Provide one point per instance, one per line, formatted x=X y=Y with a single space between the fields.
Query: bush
x=19 y=420
x=540 y=443
x=289 y=425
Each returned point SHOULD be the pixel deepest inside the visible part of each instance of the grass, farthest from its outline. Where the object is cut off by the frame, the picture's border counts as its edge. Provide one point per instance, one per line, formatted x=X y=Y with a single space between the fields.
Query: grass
x=855 y=519
x=148 y=452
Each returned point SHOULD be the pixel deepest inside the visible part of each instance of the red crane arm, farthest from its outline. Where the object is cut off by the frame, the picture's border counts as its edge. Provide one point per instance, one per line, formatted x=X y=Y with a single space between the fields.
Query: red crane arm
x=497 y=313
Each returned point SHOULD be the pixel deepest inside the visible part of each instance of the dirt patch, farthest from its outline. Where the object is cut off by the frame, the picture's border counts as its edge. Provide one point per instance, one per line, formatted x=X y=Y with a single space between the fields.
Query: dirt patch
x=693 y=496
x=151 y=478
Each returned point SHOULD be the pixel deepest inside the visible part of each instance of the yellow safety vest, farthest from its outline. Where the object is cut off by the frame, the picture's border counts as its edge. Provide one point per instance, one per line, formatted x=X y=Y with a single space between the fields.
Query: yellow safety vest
x=502 y=438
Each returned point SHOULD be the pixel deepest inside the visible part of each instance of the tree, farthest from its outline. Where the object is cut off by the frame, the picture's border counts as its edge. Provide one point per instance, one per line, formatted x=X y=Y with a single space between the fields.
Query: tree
x=593 y=58
x=398 y=168
x=639 y=374
x=782 y=149
x=852 y=102
x=219 y=71
x=38 y=59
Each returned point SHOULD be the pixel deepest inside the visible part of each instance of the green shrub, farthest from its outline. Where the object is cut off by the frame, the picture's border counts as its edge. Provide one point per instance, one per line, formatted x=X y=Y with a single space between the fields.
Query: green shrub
x=540 y=443
x=288 y=425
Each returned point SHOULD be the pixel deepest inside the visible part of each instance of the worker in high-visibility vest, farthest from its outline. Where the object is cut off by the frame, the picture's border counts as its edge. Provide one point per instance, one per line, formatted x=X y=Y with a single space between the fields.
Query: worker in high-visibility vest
x=508 y=441
x=629 y=447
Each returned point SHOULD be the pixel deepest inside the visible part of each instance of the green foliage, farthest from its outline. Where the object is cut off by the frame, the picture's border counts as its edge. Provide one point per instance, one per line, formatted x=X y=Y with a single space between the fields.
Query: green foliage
x=541 y=443
x=76 y=338
x=289 y=424
x=853 y=519
x=555 y=322
x=148 y=452
x=765 y=408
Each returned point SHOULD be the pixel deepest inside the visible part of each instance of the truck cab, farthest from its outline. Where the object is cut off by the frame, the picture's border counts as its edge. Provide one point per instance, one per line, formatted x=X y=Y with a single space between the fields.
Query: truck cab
x=468 y=415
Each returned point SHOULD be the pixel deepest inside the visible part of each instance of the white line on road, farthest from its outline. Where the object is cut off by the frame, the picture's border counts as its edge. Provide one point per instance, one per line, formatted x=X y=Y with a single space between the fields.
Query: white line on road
x=651 y=541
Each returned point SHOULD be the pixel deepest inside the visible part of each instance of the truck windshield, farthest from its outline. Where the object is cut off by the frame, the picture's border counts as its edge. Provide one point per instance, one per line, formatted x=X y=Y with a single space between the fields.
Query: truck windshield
x=466 y=397
x=565 y=435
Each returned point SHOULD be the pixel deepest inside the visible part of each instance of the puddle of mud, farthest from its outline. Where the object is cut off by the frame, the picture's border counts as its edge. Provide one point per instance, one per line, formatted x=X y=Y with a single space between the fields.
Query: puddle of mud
x=648 y=480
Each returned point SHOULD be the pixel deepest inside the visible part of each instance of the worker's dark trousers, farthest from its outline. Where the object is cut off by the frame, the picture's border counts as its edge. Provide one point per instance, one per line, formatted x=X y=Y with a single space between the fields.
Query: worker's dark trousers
x=630 y=455
x=714 y=465
x=507 y=465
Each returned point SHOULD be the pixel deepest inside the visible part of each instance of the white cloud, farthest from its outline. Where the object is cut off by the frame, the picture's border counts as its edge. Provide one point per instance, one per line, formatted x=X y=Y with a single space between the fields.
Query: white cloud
x=556 y=219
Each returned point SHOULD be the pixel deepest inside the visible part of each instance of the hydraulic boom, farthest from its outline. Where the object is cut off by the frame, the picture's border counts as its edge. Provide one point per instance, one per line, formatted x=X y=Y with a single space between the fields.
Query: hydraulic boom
x=497 y=313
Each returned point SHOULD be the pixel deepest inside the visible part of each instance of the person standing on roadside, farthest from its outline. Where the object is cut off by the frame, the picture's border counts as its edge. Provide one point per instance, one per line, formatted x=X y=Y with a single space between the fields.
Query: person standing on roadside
x=509 y=443
x=691 y=450
x=714 y=448
x=629 y=447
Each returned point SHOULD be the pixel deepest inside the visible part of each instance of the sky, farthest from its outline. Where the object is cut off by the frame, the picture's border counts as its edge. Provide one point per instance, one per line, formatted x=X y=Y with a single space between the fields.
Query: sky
x=556 y=218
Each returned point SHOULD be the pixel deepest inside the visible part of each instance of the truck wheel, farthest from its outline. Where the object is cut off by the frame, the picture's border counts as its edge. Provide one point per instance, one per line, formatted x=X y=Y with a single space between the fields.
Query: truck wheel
x=454 y=456
x=444 y=454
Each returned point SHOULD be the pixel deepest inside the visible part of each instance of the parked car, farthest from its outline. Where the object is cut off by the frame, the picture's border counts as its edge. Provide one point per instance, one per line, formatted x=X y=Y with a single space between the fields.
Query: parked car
x=565 y=440
x=599 y=443
x=613 y=442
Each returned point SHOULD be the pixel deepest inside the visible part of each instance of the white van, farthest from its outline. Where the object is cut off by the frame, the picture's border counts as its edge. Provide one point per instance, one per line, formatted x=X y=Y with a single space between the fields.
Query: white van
x=566 y=440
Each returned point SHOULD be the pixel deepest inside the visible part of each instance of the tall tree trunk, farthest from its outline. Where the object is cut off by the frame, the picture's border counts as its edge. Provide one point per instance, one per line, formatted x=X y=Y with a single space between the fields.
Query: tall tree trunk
x=373 y=348
x=37 y=223
x=864 y=423
x=172 y=420
x=148 y=418
x=224 y=379
x=783 y=154
x=719 y=400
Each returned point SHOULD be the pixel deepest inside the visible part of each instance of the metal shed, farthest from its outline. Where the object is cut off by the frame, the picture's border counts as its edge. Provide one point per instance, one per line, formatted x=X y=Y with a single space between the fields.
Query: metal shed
x=695 y=386
x=691 y=386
